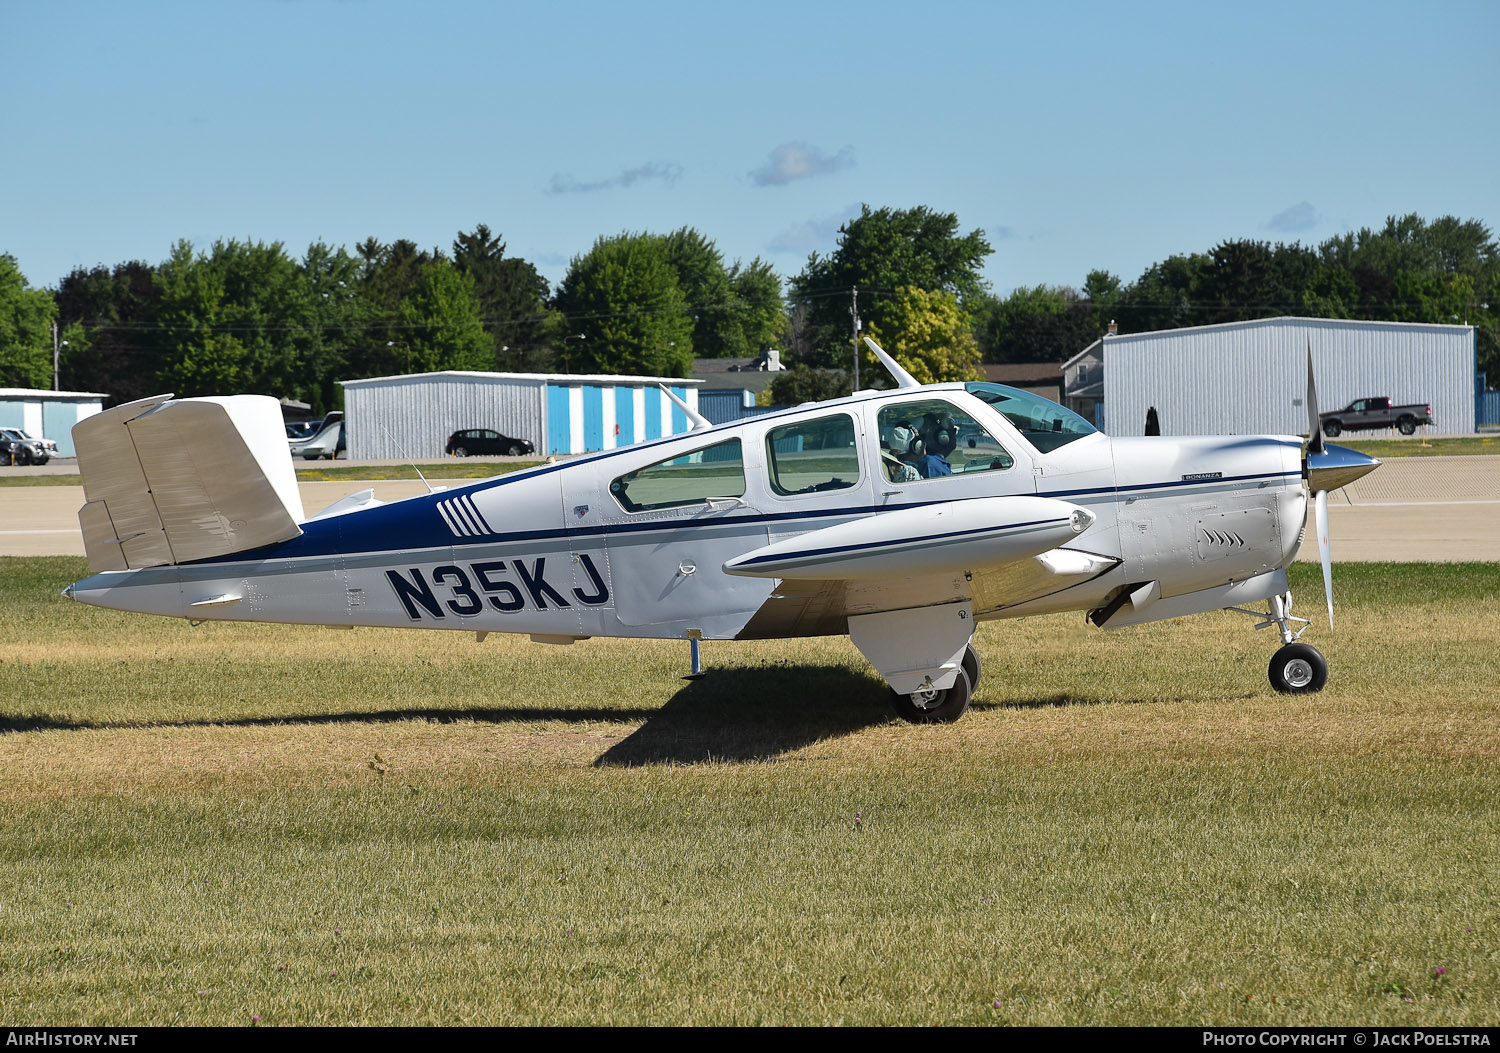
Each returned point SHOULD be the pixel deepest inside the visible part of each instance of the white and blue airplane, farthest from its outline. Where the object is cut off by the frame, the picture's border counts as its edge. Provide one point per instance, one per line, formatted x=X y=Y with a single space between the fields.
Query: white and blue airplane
x=900 y=517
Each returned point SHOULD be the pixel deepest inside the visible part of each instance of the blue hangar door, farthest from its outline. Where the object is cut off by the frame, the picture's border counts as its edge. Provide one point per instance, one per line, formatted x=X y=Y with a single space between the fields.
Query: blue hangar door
x=559 y=421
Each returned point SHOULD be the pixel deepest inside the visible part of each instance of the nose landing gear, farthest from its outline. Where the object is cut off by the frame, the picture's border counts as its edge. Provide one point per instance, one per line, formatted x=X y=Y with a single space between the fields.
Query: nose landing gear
x=1296 y=668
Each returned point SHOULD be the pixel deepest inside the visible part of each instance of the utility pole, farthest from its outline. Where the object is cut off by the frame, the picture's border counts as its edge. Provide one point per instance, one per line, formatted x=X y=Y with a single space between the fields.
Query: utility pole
x=854 y=313
x=56 y=349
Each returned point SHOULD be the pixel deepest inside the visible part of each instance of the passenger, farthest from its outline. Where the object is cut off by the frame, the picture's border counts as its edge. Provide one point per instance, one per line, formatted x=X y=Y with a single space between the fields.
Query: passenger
x=902 y=445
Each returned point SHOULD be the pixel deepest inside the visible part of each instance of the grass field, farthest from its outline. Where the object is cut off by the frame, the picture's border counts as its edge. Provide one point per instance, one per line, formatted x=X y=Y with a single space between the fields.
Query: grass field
x=318 y=827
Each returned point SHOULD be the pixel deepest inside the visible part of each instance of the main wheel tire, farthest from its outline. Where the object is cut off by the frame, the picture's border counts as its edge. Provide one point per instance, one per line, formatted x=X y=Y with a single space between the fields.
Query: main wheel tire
x=1406 y=426
x=971 y=666
x=1332 y=429
x=1298 y=669
x=934 y=707
x=513 y=450
x=460 y=451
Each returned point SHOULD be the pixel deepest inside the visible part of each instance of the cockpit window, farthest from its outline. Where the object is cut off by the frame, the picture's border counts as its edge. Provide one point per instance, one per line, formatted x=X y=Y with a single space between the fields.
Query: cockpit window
x=688 y=479
x=1044 y=423
x=931 y=438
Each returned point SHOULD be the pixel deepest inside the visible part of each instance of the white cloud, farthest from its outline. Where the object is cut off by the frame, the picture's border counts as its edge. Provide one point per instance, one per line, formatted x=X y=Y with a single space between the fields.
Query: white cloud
x=658 y=171
x=790 y=162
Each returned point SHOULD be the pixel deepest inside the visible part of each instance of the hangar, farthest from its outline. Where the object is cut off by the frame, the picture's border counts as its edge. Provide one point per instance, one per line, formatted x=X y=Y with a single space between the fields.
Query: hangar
x=1243 y=378
x=48 y=414
x=560 y=413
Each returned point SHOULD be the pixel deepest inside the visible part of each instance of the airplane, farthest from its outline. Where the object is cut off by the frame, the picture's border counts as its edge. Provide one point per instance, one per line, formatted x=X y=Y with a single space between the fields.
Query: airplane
x=900 y=517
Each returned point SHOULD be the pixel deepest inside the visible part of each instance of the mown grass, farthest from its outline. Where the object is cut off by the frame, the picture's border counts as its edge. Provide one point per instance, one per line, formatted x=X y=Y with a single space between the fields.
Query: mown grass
x=384 y=827
x=1460 y=446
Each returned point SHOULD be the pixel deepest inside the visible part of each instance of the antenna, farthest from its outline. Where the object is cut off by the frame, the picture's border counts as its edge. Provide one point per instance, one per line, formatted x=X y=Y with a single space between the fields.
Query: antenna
x=903 y=378
x=698 y=420
x=409 y=460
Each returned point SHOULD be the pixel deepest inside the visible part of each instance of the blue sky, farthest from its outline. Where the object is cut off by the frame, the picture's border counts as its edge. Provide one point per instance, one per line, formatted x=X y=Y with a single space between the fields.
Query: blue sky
x=1077 y=135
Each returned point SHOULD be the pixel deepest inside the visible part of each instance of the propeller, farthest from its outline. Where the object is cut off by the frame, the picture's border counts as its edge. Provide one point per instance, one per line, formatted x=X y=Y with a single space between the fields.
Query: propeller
x=1327 y=467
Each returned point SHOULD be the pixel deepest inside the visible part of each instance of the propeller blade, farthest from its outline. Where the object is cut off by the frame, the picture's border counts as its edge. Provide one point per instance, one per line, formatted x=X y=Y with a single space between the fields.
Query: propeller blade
x=1153 y=422
x=1314 y=425
x=1320 y=508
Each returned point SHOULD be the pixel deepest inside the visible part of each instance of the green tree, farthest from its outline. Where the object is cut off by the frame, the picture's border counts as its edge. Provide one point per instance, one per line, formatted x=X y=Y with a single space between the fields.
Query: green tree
x=333 y=327
x=880 y=252
x=109 y=317
x=758 y=311
x=623 y=300
x=929 y=334
x=26 y=317
x=1043 y=323
x=387 y=275
x=512 y=298
x=440 y=318
x=803 y=383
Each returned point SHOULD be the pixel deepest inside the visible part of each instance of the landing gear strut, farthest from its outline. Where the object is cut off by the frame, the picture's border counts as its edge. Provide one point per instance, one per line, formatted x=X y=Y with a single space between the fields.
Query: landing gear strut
x=1296 y=668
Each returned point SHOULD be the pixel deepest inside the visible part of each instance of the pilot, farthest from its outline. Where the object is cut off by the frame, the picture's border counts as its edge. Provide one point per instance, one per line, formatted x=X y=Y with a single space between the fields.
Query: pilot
x=939 y=437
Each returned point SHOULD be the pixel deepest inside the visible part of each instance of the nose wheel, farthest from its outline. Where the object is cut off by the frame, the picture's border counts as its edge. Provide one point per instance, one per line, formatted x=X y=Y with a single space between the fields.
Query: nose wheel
x=1297 y=668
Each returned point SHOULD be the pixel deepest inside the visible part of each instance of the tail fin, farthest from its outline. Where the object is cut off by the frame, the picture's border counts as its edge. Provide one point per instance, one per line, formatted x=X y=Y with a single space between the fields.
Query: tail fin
x=174 y=480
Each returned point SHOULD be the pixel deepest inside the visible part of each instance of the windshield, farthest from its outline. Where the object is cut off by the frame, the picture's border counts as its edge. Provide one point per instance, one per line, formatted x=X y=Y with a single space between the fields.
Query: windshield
x=1044 y=423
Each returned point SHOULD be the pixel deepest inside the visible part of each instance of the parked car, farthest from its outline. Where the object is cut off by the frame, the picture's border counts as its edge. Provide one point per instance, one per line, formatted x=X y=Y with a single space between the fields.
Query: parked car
x=482 y=441
x=1364 y=414
x=16 y=447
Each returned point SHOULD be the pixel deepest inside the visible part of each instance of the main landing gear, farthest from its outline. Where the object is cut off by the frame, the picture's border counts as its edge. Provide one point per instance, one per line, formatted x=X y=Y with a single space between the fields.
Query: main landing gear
x=1297 y=668
x=930 y=705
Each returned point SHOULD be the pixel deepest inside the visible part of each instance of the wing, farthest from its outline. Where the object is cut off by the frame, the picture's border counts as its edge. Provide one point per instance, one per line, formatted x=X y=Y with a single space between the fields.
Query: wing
x=992 y=552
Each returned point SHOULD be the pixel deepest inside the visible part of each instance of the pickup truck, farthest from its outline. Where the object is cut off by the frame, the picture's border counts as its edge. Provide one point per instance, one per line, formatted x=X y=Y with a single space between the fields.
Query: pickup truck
x=16 y=447
x=1363 y=414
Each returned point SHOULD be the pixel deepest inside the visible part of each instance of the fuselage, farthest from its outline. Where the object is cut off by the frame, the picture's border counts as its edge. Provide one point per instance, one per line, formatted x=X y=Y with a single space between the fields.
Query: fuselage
x=633 y=542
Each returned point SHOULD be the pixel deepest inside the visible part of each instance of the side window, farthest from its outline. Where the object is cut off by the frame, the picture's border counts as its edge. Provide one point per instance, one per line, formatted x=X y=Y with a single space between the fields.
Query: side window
x=688 y=479
x=813 y=456
x=933 y=438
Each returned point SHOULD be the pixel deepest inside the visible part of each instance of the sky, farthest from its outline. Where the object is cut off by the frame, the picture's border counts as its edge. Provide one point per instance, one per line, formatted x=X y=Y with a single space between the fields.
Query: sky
x=1075 y=135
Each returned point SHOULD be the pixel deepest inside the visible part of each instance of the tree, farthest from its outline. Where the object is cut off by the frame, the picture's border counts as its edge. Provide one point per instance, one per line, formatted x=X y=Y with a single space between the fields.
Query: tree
x=441 y=322
x=388 y=274
x=26 y=317
x=512 y=298
x=880 y=252
x=335 y=322
x=929 y=334
x=622 y=298
x=1040 y=324
x=803 y=383
x=109 y=322
x=757 y=310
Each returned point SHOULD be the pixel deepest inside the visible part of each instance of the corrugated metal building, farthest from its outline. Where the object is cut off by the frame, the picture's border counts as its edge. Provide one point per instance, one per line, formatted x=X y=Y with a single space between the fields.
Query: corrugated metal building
x=562 y=413
x=48 y=414
x=1245 y=378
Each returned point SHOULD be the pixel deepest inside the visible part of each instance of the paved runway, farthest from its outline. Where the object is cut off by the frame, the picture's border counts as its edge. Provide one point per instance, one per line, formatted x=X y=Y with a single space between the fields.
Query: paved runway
x=1437 y=509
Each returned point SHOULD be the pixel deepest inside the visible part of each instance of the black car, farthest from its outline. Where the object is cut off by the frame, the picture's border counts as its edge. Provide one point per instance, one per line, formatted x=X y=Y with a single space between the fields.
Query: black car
x=482 y=441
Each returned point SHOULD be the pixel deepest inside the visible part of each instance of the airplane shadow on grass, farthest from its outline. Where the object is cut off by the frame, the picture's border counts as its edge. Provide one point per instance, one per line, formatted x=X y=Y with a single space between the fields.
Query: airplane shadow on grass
x=729 y=715
x=755 y=714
